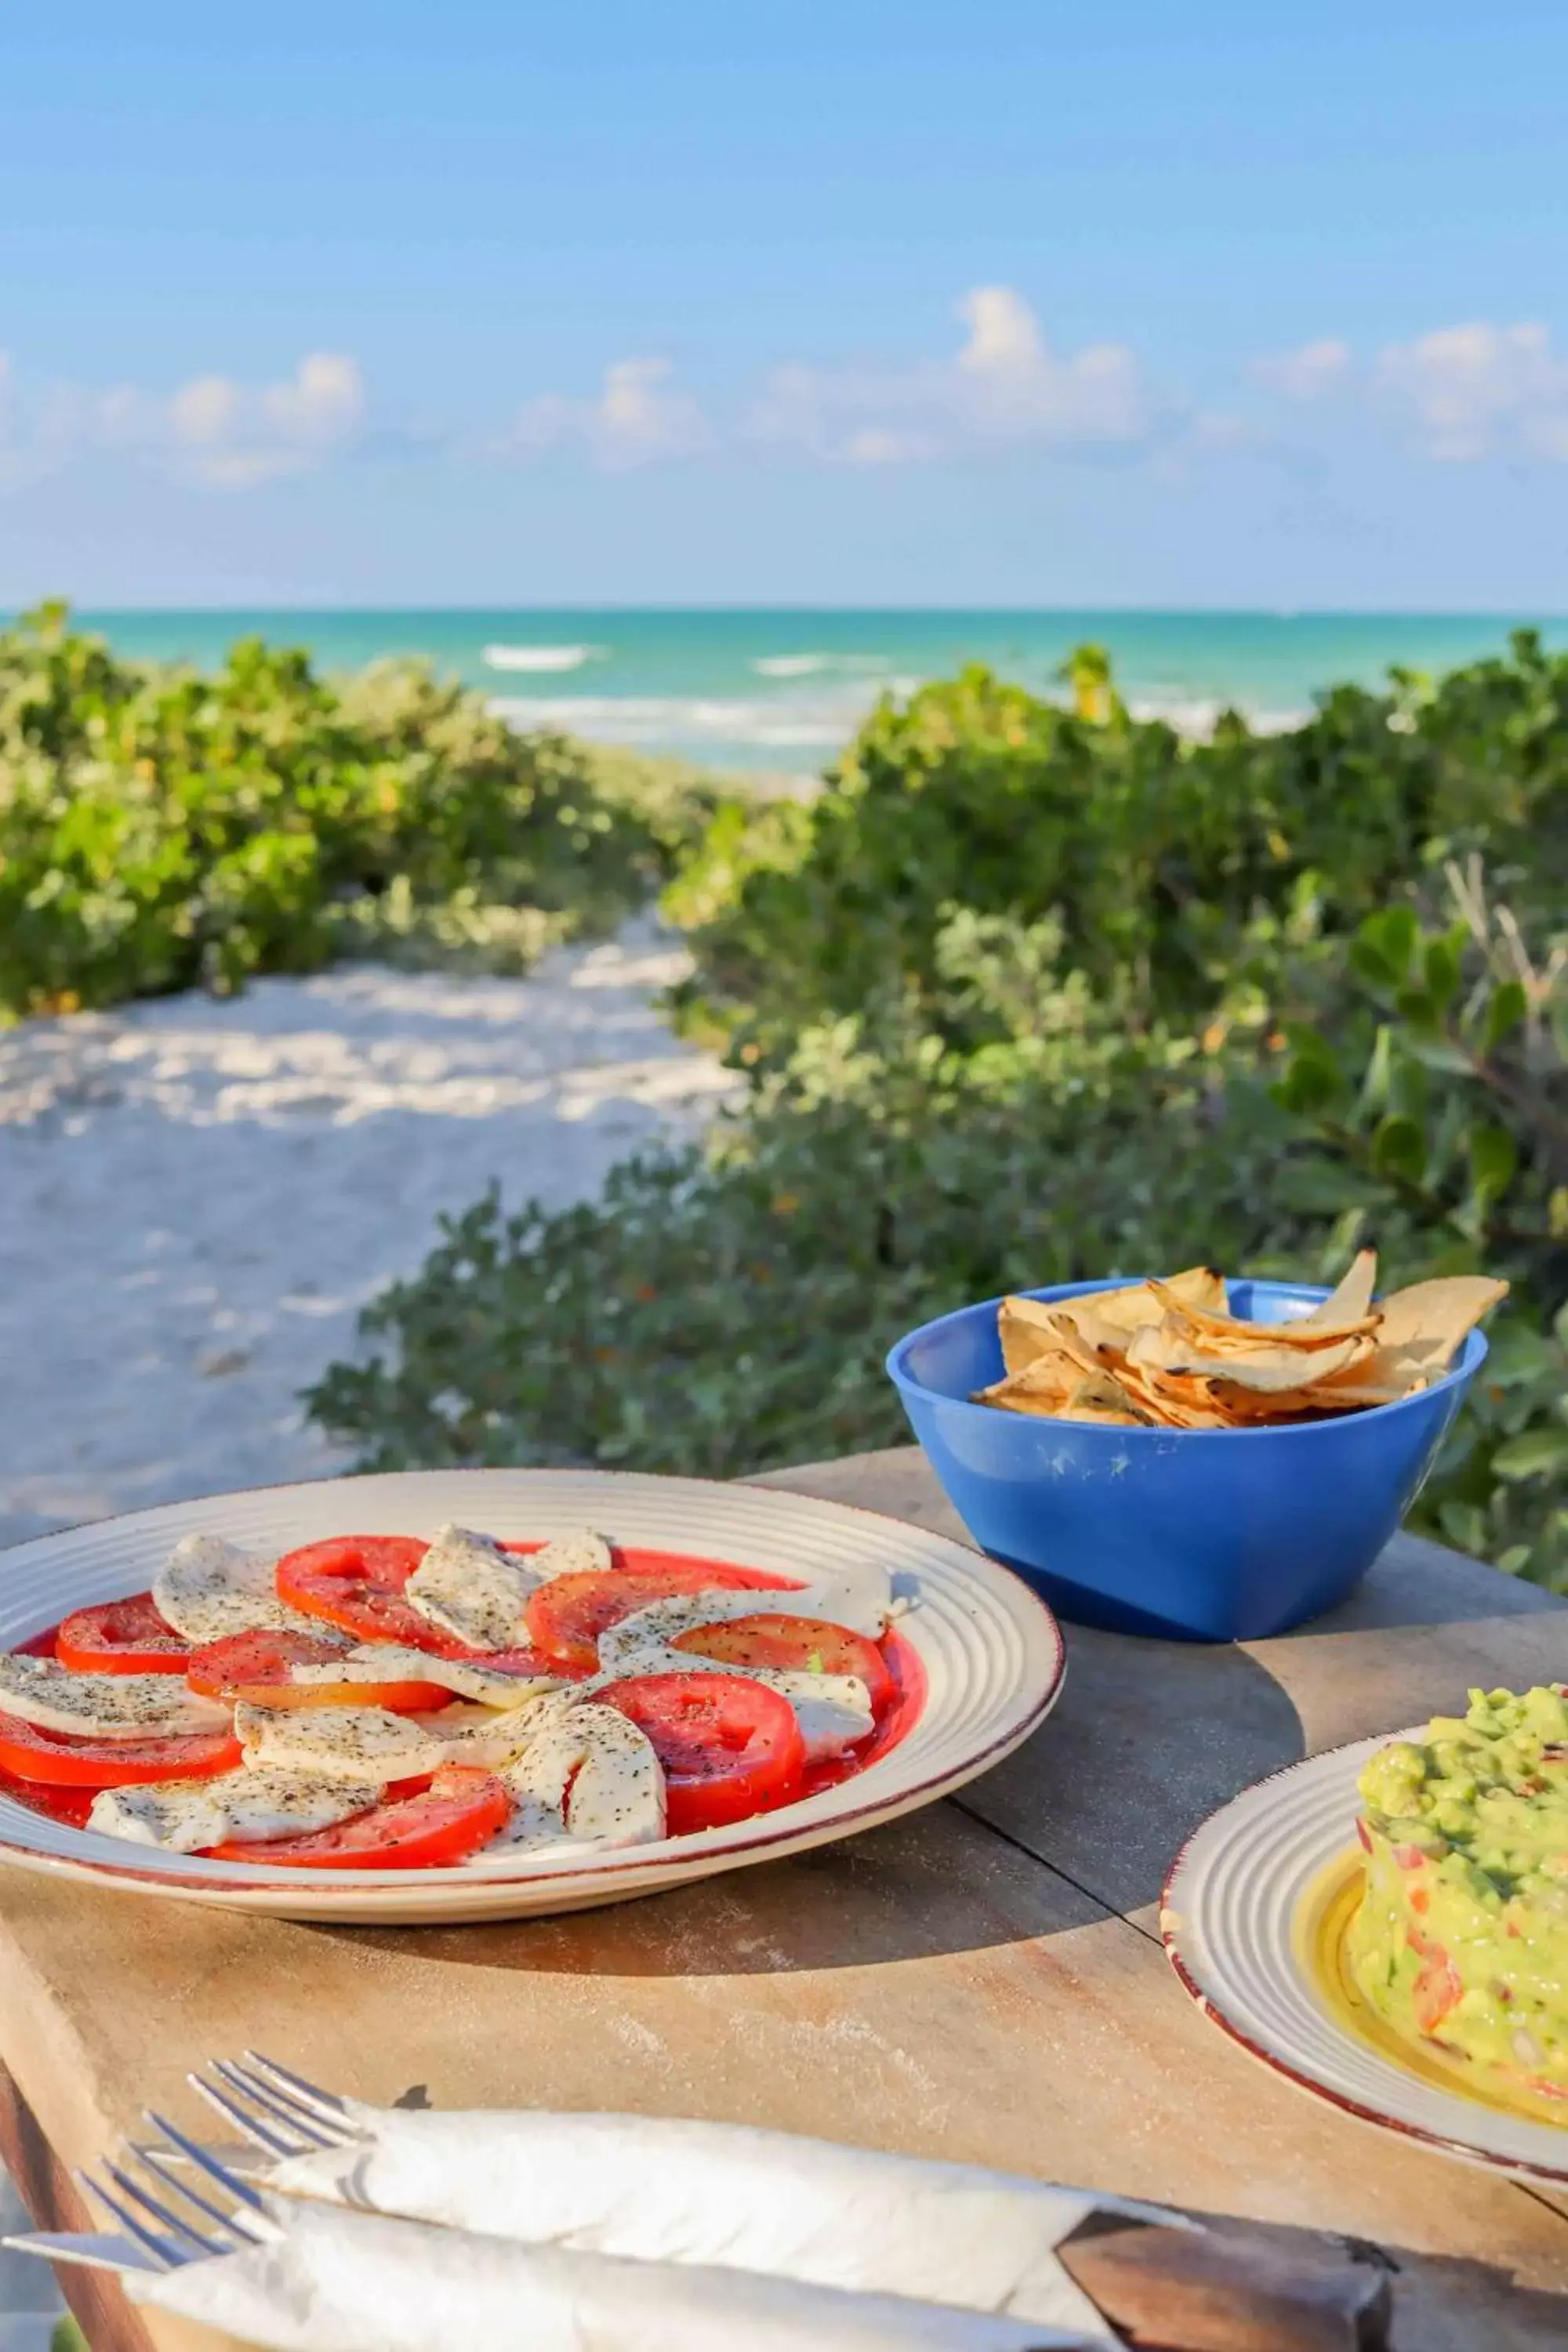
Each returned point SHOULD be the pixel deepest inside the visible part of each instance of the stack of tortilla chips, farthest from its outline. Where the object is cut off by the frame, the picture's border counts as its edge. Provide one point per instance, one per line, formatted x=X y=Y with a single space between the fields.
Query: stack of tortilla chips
x=1168 y=1355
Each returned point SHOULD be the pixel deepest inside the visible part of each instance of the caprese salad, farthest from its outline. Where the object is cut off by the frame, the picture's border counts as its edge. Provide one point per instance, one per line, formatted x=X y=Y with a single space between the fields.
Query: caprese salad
x=389 y=1702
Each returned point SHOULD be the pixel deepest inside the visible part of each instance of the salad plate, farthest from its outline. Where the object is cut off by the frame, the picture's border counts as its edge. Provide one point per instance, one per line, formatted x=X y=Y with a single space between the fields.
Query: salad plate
x=983 y=1665
x=1253 y=1917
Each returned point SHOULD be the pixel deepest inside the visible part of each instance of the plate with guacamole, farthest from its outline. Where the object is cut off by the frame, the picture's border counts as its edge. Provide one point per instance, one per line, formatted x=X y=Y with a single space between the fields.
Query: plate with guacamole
x=1386 y=1925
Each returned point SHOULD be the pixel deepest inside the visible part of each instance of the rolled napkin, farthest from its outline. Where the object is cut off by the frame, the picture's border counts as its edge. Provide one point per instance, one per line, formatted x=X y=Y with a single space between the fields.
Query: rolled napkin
x=663 y=2190
x=332 y=2280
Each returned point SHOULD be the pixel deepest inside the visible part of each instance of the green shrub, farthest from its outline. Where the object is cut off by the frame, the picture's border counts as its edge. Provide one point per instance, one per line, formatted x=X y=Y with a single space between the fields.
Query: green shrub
x=160 y=828
x=1030 y=995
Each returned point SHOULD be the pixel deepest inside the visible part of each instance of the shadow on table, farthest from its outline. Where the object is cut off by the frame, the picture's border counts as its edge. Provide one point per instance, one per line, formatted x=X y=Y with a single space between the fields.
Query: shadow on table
x=1147 y=1740
x=938 y=1882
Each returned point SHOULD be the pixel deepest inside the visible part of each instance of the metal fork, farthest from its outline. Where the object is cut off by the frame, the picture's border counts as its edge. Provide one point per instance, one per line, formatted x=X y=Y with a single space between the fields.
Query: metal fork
x=166 y=2226
x=275 y=2109
x=176 y=2221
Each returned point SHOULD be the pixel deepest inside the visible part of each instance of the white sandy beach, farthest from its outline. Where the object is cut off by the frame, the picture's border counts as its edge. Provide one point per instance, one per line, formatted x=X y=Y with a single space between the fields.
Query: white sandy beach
x=197 y=1195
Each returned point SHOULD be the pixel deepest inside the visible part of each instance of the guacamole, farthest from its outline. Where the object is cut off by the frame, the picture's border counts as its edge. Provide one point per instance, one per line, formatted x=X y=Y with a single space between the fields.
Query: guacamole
x=1461 y=1939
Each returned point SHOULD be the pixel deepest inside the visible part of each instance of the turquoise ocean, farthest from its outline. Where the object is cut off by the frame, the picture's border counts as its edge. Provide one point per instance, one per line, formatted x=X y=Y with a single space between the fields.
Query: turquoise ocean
x=781 y=691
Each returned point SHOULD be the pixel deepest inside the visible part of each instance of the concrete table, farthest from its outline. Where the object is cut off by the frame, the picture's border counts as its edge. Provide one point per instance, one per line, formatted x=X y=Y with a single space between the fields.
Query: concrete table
x=981 y=1981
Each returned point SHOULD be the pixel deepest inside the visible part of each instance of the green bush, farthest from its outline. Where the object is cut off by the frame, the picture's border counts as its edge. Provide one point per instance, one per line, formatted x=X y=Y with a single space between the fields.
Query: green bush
x=160 y=828
x=1030 y=995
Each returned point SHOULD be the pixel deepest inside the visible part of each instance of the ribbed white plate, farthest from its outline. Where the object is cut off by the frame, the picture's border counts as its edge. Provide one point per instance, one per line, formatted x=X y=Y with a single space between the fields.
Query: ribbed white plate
x=1232 y=1918
x=992 y=1651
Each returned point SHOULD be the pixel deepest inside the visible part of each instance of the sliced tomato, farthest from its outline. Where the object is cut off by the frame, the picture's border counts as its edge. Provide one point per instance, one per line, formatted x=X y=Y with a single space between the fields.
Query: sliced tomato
x=356 y=1582
x=34 y=1755
x=793 y=1644
x=120 y=1637
x=257 y=1667
x=71 y=1806
x=566 y=1616
x=460 y=1811
x=1438 y=1988
x=729 y=1748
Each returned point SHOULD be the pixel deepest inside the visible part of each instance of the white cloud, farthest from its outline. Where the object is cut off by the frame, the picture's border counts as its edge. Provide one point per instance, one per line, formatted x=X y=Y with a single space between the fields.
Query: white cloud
x=1003 y=386
x=1473 y=391
x=232 y=437
x=640 y=416
x=1311 y=372
x=211 y=429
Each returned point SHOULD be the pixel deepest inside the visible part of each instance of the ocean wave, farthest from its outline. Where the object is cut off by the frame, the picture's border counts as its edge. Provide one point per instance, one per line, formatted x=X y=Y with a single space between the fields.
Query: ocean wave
x=814 y=664
x=654 y=720
x=541 y=657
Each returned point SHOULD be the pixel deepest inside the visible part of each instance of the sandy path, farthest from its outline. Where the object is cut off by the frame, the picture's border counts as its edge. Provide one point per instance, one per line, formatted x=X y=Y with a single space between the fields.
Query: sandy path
x=196 y=1196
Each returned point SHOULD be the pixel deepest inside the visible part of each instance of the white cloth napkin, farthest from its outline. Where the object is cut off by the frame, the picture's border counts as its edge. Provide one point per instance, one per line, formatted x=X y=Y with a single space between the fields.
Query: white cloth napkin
x=664 y=2190
x=332 y=2280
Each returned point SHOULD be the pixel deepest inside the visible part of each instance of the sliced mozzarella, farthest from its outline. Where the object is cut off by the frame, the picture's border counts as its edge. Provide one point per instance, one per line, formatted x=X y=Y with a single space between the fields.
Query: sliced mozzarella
x=208 y=1587
x=103 y=1707
x=467 y=1586
x=587 y=1775
x=496 y=1737
x=188 y=1816
x=349 y=1743
x=389 y=1661
x=580 y=1553
x=834 y=1711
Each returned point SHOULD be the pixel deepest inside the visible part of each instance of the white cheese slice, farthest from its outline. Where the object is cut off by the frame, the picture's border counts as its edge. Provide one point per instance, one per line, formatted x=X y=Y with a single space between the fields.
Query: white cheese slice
x=188 y=1816
x=580 y=1553
x=103 y=1707
x=467 y=1586
x=208 y=1587
x=390 y=1662
x=862 y=1606
x=349 y=1743
x=587 y=1776
x=494 y=1737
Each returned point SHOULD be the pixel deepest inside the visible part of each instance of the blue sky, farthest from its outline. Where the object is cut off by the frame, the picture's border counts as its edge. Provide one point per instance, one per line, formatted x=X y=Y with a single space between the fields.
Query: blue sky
x=990 y=303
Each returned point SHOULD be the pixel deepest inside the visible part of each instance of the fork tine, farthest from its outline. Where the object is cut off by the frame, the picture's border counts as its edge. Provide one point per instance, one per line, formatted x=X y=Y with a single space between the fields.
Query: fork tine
x=261 y=2134
x=272 y=2105
x=159 y=2165
x=167 y=2257
x=205 y=2161
x=166 y=2214
x=335 y=2131
x=308 y=2094
x=88 y=2249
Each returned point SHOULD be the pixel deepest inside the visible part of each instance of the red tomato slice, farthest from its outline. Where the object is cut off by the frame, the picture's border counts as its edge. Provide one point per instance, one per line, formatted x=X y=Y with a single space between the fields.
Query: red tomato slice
x=461 y=1810
x=794 y=1644
x=120 y=1637
x=71 y=1806
x=729 y=1747
x=34 y=1755
x=356 y=1582
x=257 y=1667
x=566 y=1616
x=1437 y=1988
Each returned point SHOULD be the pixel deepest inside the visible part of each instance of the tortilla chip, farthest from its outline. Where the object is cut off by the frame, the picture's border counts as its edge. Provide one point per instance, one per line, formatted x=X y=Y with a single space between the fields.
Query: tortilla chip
x=1136 y=1304
x=1439 y=1313
x=1026 y=1330
x=1229 y=1330
x=1260 y=1365
x=1049 y=1376
x=1351 y=1300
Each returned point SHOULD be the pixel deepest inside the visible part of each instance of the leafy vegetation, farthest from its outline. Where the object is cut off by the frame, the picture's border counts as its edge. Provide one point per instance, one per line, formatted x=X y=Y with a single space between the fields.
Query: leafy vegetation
x=1032 y=994
x=1029 y=994
x=159 y=827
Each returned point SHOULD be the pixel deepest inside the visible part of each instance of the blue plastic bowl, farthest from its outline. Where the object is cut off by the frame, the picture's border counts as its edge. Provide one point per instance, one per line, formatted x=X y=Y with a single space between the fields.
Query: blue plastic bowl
x=1221 y=1535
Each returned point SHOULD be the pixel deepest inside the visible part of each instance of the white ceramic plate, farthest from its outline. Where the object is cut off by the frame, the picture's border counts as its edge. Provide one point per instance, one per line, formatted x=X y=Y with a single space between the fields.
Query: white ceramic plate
x=1239 y=1918
x=992 y=1653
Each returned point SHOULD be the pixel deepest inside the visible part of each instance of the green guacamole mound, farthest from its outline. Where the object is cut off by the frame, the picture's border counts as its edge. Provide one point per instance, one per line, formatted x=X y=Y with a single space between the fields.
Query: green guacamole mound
x=1461 y=1939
